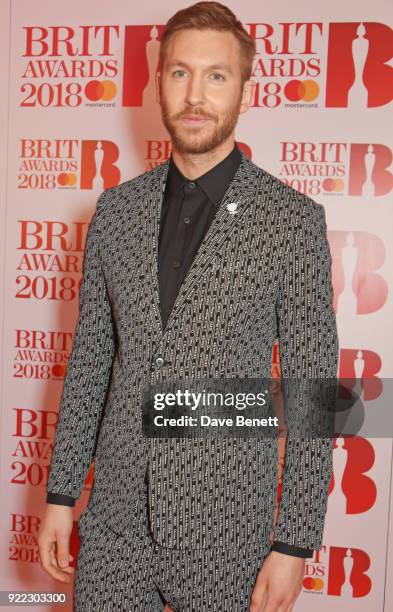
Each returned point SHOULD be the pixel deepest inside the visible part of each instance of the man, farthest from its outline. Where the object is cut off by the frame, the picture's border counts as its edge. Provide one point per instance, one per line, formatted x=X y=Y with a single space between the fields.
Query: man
x=192 y=270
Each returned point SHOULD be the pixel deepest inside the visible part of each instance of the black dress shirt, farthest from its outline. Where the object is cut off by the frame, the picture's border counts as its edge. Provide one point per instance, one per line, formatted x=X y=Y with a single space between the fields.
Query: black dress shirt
x=188 y=208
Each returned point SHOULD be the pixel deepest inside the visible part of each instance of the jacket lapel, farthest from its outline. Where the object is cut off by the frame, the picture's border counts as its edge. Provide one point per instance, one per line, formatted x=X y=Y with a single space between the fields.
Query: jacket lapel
x=241 y=190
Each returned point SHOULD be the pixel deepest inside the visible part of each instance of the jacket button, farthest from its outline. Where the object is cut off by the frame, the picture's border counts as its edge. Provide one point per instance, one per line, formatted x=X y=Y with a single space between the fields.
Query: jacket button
x=159 y=362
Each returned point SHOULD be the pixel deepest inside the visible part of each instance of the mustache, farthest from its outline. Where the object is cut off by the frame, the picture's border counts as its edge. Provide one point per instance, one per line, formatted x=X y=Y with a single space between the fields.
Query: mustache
x=196 y=112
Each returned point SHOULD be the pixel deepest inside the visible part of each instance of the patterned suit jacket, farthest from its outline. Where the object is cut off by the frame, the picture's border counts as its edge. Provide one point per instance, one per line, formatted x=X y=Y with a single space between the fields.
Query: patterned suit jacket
x=260 y=274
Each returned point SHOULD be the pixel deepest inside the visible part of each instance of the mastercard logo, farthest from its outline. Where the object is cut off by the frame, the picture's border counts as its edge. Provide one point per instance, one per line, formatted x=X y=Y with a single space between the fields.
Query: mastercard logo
x=100 y=90
x=305 y=91
x=313 y=584
x=59 y=370
x=331 y=185
x=66 y=179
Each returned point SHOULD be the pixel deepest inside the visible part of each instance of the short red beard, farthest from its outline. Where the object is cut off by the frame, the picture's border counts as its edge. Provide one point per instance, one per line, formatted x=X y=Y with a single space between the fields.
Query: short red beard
x=195 y=143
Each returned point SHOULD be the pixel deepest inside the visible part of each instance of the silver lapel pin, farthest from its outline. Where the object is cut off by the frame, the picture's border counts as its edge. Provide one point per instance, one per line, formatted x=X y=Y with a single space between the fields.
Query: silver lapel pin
x=232 y=207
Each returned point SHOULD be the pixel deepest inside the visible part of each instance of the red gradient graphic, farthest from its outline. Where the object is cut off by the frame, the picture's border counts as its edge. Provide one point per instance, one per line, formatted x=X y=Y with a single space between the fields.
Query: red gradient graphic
x=359 y=489
x=371 y=362
x=377 y=75
x=347 y=572
x=368 y=287
x=139 y=45
x=380 y=160
x=108 y=172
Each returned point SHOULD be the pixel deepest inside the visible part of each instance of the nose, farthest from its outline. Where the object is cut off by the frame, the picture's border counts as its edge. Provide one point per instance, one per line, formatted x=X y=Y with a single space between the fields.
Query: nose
x=195 y=91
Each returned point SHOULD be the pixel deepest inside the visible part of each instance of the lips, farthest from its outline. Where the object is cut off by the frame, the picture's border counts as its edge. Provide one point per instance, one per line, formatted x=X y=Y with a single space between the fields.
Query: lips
x=195 y=118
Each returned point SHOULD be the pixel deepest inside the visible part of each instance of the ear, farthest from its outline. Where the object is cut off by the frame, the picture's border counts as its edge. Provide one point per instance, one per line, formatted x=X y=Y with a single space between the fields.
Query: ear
x=158 y=80
x=247 y=96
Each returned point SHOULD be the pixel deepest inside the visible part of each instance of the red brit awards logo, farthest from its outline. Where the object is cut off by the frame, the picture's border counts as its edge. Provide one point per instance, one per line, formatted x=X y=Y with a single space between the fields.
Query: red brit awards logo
x=41 y=354
x=358 y=74
x=359 y=287
x=352 y=490
x=68 y=164
x=141 y=57
x=51 y=259
x=286 y=68
x=369 y=170
x=23 y=545
x=98 y=165
x=360 y=367
x=33 y=433
x=347 y=572
x=337 y=168
x=69 y=66
x=312 y=167
x=338 y=571
x=287 y=65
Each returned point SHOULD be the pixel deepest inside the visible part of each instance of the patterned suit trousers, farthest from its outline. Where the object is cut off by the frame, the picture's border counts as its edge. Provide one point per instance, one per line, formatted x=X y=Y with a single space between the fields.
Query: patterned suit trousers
x=118 y=574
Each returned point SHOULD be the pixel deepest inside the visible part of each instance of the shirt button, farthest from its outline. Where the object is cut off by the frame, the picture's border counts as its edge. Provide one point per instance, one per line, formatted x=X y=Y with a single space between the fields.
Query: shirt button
x=187 y=219
x=159 y=362
x=191 y=185
x=176 y=264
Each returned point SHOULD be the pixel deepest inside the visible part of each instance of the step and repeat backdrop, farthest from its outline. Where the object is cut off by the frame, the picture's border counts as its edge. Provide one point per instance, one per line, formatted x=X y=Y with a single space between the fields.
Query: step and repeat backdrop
x=79 y=115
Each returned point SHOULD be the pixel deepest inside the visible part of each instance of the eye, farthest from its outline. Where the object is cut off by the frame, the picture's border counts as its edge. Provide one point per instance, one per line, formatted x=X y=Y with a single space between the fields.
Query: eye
x=176 y=72
x=220 y=76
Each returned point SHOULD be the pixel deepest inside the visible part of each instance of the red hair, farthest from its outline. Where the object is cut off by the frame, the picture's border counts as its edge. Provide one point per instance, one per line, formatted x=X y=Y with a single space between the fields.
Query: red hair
x=212 y=16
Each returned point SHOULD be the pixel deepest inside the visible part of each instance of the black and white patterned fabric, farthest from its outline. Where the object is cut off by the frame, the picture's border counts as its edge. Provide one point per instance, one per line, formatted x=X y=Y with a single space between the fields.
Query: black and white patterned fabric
x=117 y=574
x=260 y=274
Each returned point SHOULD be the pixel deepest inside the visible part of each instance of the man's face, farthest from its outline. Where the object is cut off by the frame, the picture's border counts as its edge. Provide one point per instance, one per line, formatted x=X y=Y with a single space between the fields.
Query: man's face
x=200 y=89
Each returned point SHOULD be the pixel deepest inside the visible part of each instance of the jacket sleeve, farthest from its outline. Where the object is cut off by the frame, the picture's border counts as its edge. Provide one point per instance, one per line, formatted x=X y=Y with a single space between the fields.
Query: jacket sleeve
x=59 y=500
x=88 y=374
x=308 y=345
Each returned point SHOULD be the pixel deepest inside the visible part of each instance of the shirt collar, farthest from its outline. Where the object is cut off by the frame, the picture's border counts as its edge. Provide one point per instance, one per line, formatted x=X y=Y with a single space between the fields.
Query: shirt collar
x=214 y=182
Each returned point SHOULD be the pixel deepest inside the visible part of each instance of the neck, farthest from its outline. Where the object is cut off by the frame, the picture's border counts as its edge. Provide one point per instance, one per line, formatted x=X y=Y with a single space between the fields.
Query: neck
x=193 y=165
